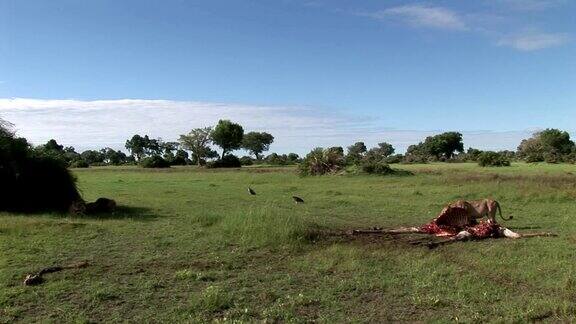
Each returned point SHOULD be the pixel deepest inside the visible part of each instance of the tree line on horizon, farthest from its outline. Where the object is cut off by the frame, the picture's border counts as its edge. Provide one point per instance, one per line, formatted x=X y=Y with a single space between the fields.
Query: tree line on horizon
x=197 y=148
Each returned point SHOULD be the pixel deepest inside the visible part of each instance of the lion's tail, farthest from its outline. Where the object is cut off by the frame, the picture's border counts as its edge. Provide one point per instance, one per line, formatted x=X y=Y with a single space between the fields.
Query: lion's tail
x=500 y=212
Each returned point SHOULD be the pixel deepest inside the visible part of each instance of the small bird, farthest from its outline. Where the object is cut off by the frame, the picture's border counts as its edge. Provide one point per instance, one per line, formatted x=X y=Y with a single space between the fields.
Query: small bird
x=298 y=200
x=251 y=191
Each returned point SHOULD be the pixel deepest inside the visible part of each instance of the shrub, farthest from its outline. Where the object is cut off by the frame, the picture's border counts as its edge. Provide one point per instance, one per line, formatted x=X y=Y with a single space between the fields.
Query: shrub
x=490 y=158
x=377 y=168
x=31 y=183
x=392 y=159
x=79 y=164
x=154 y=161
x=246 y=160
x=228 y=161
x=322 y=161
x=39 y=184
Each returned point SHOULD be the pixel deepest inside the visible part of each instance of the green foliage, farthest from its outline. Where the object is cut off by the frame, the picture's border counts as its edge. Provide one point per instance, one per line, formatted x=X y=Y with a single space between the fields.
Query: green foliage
x=550 y=145
x=473 y=154
x=154 y=161
x=256 y=143
x=379 y=153
x=490 y=158
x=322 y=161
x=355 y=153
x=392 y=159
x=373 y=167
x=228 y=161
x=228 y=136
x=33 y=180
x=142 y=146
x=439 y=147
x=79 y=164
x=246 y=160
x=198 y=142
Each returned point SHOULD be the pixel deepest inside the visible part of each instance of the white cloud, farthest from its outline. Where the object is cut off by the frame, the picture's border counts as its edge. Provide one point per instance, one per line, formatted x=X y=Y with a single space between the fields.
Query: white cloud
x=99 y=123
x=534 y=40
x=423 y=16
x=528 y=5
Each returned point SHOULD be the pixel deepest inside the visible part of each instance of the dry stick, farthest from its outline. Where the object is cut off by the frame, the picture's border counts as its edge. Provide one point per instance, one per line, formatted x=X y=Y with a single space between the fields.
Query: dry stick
x=36 y=279
x=545 y=234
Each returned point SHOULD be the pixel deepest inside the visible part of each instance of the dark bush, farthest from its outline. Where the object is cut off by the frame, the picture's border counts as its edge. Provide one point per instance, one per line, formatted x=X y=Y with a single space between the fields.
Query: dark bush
x=377 y=168
x=228 y=161
x=154 y=161
x=246 y=160
x=490 y=158
x=79 y=164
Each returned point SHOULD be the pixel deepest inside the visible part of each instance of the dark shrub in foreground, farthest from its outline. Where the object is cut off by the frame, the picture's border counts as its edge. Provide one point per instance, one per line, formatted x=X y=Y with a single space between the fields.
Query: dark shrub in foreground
x=29 y=182
x=228 y=161
x=377 y=168
x=490 y=158
x=154 y=161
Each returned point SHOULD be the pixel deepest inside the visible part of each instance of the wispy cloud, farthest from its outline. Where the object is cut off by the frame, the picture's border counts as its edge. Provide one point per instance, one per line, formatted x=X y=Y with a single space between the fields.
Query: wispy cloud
x=534 y=40
x=527 y=5
x=95 y=124
x=517 y=34
x=422 y=16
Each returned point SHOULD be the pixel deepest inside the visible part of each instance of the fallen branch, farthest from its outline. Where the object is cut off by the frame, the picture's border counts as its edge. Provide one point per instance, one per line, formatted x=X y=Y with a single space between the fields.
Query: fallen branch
x=36 y=278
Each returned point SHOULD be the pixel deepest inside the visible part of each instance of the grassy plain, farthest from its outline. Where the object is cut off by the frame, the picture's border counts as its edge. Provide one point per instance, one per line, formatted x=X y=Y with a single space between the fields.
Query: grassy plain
x=192 y=245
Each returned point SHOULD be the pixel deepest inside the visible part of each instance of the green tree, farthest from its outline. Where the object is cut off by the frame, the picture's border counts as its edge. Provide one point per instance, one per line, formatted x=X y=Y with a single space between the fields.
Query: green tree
x=444 y=145
x=137 y=146
x=380 y=153
x=555 y=141
x=355 y=153
x=228 y=136
x=198 y=142
x=256 y=143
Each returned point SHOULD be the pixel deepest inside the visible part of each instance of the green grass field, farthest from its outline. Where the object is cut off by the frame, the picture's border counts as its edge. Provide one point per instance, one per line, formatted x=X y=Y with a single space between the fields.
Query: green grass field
x=192 y=245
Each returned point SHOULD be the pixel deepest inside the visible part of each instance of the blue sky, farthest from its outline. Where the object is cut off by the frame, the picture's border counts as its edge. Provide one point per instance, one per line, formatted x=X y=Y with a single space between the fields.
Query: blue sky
x=312 y=72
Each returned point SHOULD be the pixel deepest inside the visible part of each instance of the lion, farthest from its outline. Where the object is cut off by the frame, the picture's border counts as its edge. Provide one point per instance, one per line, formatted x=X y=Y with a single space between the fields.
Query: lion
x=479 y=208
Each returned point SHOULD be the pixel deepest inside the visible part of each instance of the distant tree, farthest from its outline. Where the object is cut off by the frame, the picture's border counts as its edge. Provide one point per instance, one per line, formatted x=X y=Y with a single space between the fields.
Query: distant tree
x=550 y=145
x=111 y=156
x=228 y=136
x=180 y=158
x=256 y=143
x=54 y=146
x=380 y=153
x=444 y=145
x=556 y=141
x=92 y=156
x=246 y=160
x=293 y=158
x=355 y=153
x=198 y=142
x=472 y=154
x=137 y=146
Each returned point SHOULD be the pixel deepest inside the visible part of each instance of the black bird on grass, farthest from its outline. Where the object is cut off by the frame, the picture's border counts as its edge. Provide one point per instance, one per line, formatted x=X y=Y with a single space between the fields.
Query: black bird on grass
x=251 y=191
x=298 y=200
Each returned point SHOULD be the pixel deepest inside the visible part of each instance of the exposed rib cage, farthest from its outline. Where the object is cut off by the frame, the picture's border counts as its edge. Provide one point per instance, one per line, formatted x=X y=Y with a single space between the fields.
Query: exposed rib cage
x=455 y=214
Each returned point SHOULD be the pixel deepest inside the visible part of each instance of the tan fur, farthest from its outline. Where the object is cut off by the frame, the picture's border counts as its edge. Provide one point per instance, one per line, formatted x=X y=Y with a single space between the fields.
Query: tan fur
x=480 y=208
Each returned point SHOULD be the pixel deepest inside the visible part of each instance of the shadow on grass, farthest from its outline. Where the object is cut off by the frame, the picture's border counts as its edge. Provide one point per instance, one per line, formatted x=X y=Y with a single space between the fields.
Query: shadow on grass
x=121 y=212
x=125 y=212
